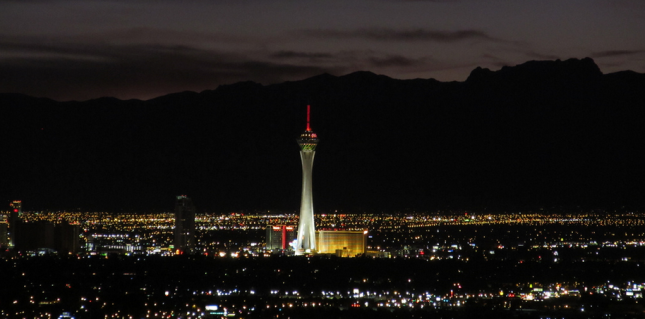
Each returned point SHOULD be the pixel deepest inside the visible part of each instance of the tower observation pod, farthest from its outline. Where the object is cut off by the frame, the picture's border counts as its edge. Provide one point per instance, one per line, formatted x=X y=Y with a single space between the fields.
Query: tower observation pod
x=306 y=241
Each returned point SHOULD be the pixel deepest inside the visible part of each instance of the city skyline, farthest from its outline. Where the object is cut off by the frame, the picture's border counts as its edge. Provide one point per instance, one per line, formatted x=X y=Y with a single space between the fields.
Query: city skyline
x=455 y=264
x=79 y=50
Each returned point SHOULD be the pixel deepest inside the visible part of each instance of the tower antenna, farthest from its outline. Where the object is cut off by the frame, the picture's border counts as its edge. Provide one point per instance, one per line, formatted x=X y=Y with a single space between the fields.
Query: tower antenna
x=308 y=117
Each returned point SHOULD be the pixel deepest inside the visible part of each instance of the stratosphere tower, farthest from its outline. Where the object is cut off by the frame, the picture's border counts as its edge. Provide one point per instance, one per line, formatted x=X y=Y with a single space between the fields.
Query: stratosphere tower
x=306 y=242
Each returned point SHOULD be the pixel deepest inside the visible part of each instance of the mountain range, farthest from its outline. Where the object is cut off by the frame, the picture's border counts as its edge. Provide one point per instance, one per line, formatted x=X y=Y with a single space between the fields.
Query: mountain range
x=538 y=135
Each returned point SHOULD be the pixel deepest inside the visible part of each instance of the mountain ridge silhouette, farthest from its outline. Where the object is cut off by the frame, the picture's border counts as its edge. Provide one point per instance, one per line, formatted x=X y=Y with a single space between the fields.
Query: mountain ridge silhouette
x=540 y=134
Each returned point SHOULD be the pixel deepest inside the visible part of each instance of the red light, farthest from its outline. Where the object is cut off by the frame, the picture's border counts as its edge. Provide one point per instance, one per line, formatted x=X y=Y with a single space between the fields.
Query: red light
x=15 y=210
x=308 y=110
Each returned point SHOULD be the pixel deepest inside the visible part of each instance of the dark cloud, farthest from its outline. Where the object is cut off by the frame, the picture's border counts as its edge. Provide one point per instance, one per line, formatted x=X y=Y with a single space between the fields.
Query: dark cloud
x=613 y=53
x=85 y=67
x=393 y=61
x=380 y=34
x=294 y=54
x=82 y=71
x=541 y=56
x=358 y=60
x=165 y=35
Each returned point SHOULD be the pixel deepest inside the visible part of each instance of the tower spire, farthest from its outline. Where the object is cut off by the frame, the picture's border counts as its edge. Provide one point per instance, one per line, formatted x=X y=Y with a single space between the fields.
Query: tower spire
x=308 y=118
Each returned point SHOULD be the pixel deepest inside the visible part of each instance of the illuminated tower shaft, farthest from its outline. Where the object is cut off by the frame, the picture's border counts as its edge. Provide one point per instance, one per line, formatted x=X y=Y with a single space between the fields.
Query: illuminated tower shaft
x=306 y=228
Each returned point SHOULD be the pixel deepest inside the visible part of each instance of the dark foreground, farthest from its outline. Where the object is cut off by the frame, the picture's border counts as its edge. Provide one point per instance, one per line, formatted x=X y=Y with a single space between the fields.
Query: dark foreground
x=317 y=287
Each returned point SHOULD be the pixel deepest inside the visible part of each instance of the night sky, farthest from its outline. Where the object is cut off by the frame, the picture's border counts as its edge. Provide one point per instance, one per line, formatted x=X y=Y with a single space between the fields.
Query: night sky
x=78 y=50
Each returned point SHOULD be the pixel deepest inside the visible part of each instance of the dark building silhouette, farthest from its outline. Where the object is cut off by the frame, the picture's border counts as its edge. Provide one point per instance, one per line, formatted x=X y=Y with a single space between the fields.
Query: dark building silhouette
x=279 y=236
x=66 y=238
x=33 y=236
x=14 y=218
x=4 y=234
x=47 y=236
x=184 y=224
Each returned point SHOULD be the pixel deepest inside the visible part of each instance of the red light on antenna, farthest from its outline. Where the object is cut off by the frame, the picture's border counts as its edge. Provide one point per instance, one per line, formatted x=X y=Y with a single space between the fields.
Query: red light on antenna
x=308 y=117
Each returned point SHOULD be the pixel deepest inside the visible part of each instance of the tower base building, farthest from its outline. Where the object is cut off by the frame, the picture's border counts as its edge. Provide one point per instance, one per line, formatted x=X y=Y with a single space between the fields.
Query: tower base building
x=342 y=243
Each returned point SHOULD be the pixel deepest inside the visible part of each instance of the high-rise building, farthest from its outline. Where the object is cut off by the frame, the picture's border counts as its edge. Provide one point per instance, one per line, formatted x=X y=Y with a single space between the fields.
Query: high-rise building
x=279 y=236
x=184 y=224
x=14 y=218
x=308 y=141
